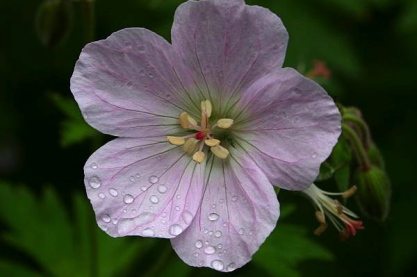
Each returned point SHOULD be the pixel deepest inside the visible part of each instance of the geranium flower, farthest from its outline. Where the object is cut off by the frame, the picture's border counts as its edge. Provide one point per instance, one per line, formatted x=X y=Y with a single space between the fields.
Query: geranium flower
x=206 y=126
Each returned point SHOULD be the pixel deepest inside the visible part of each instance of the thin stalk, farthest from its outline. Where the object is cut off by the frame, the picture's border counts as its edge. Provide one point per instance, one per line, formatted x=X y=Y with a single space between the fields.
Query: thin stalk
x=364 y=127
x=361 y=155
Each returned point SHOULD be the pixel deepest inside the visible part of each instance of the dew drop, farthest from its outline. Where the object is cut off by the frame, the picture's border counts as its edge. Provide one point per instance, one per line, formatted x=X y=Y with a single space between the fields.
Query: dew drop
x=141 y=72
x=241 y=231
x=177 y=208
x=234 y=198
x=106 y=218
x=231 y=267
x=153 y=179
x=94 y=166
x=213 y=206
x=128 y=198
x=187 y=217
x=154 y=199
x=115 y=220
x=178 y=196
x=162 y=189
x=218 y=234
x=113 y=192
x=144 y=188
x=148 y=232
x=132 y=178
x=101 y=195
x=213 y=217
x=217 y=265
x=137 y=175
x=94 y=182
x=141 y=48
x=220 y=246
x=164 y=215
x=199 y=244
x=196 y=254
x=209 y=250
x=175 y=229
x=314 y=155
x=210 y=233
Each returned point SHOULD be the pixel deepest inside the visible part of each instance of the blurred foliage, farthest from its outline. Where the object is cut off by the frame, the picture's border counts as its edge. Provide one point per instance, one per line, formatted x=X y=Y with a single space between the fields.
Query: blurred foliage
x=368 y=45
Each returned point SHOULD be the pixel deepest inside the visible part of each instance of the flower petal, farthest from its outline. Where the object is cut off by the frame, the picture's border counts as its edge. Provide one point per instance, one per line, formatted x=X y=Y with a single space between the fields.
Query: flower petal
x=131 y=84
x=238 y=211
x=143 y=187
x=227 y=45
x=289 y=127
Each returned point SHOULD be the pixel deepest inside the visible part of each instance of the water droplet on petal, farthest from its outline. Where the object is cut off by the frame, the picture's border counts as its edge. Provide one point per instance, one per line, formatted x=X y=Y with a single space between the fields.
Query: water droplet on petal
x=94 y=166
x=218 y=234
x=234 y=198
x=196 y=254
x=137 y=175
x=148 y=232
x=141 y=48
x=153 y=179
x=94 y=182
x=162 y=189
x=154 y=199
x=144 y=188
x=241 y=231
x=209 y=250
x=106 y=218
x=175 y=229
x=314 y=155
x=128 y=198
x=213 y=217
x=231 y=267
x=220 y=246
x=187 y=217
x=113 y=192
x=131 y=178
x=101 y=195
x=178 y=196
x=217 y=265
x=177 y=208
x=199 y=244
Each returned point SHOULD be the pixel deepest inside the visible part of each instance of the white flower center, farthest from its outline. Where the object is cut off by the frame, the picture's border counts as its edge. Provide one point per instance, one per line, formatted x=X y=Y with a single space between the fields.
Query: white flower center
x=203 y=135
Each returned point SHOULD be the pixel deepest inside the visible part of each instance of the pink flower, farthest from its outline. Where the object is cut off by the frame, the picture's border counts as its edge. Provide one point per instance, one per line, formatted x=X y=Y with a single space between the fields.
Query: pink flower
x=205 y=126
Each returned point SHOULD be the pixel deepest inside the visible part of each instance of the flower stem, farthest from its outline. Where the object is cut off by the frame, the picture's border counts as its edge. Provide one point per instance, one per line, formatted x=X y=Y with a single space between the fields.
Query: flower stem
x=357 y=144
x=358 y=121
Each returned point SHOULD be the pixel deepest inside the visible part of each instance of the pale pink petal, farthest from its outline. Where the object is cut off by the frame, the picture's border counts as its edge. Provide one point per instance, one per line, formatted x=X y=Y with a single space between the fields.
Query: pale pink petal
x=289 y=127
x=131 y=84
x=143 y=187
x=238 y=211
x=228 y=45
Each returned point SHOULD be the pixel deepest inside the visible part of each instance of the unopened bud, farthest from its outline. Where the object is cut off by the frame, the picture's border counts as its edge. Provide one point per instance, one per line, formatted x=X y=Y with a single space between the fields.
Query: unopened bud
x=375 y=156
x=374 y=192
x=54 y=21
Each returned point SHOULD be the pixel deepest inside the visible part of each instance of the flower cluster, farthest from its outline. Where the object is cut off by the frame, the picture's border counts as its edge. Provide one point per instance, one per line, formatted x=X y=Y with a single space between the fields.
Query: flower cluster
x=205 y=127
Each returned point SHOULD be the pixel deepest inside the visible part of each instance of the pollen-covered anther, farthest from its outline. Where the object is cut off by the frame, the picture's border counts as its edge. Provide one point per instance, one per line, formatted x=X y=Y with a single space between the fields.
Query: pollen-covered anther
x=224 y=123
x=190 y=145
x=198 y=157
x=220 y=152
x=206 y=107
x=187 y=122
x=350 y=192
x=212 y=142
x=176 y=140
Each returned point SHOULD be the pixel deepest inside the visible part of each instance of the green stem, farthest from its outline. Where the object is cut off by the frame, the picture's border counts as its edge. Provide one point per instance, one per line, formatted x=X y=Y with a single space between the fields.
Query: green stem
x=358 y=121
x=361 y=155
x=88 y=15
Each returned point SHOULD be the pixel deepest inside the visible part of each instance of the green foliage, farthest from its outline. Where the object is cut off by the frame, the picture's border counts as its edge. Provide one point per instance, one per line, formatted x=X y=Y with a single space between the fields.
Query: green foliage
x=74 y=129
x=42 y=229
x=287 y=247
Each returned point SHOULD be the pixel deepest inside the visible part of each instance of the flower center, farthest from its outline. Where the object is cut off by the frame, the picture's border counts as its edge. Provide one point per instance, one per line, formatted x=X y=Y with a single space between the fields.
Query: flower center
x=202 y=135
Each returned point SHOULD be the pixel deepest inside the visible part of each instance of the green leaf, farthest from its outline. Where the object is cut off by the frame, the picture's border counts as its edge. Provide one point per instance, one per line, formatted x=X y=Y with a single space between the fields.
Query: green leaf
x=286 y=248
x=74 y=129
x=59 y=245
x=326 y=172
x=12 y=269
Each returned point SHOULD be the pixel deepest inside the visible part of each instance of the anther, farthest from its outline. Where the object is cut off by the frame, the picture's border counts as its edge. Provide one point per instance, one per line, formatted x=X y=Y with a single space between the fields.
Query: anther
x=224 y=123
x=190 y=145
x=206 y=107
x=176 y=140
x=212 y=142
x=198 y=157
x=220 y=151
x=351 y=191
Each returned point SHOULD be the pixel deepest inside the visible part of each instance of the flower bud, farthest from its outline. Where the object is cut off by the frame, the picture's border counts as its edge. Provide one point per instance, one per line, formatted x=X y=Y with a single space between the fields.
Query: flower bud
x=375 y=156
x=54 y=21
x=374 y=192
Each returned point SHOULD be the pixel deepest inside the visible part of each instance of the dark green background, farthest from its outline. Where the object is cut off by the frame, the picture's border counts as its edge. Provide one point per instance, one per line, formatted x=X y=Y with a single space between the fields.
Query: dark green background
x=370 y=47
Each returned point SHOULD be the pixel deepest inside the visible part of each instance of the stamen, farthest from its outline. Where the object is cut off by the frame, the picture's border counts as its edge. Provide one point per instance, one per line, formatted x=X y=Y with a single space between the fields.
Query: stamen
x=206 y=107
x=187 y=122
x=351 y=191
x=220 y=151
x=190 y=145
x=198 y=157
x=176 y=140
x=212 y=142
x=224 y=123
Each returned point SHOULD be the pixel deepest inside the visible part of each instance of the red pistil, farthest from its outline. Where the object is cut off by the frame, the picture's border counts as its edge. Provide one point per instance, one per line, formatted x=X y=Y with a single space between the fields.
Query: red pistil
x=200 y=136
